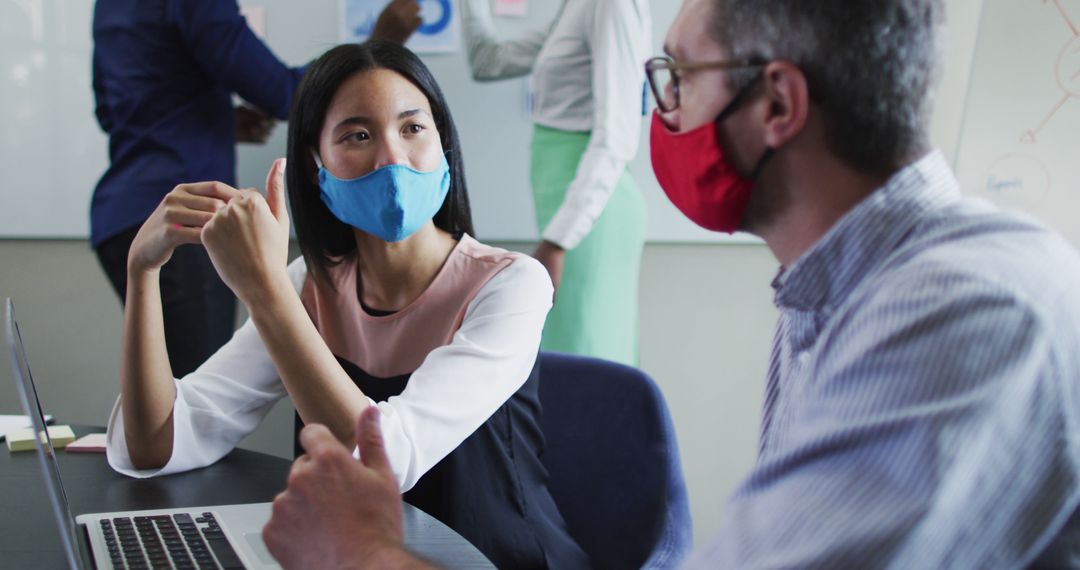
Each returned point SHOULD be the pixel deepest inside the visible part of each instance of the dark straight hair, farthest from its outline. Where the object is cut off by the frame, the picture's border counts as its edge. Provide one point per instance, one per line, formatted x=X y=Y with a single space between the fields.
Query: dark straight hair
x=326 y=241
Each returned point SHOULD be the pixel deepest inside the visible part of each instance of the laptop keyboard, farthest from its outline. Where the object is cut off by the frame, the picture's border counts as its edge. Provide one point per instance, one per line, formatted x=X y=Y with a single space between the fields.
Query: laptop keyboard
x=168 y=541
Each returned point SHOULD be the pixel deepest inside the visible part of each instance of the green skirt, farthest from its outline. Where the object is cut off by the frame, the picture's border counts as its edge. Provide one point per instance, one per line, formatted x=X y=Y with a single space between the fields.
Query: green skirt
x=596 y=306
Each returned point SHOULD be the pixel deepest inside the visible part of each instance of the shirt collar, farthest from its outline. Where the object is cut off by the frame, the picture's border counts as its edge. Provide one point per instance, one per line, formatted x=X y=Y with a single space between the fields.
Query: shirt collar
x=827 y=272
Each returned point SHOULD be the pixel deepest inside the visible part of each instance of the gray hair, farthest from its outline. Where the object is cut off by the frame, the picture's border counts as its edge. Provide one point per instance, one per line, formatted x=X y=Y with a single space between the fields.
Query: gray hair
x=871 y=66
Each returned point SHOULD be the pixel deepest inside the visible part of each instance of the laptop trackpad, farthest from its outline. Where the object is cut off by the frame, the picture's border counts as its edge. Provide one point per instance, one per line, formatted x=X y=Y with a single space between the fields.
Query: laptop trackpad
x=255 y=542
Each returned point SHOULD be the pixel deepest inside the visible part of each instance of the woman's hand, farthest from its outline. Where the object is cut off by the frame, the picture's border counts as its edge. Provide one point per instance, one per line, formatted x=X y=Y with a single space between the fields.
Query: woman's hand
x=553 y=258
x=248 y=239
x=178 y=220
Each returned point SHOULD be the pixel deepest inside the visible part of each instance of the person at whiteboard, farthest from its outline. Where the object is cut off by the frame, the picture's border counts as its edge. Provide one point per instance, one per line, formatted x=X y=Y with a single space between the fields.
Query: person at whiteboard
x=922 y=398
x=164 y=72
x=393 y=304
x=588 y=87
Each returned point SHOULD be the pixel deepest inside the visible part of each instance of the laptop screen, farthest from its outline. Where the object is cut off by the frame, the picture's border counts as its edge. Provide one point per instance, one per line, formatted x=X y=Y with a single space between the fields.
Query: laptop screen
x=31 y=405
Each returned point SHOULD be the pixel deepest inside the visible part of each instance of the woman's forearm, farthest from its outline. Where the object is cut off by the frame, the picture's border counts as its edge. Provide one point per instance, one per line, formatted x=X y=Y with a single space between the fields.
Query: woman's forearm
x=320 y=389
x=147 y=391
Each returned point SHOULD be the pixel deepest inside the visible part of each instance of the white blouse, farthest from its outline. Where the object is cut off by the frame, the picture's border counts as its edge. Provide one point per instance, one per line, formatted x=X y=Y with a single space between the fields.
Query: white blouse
x=588 y=75
x=456 y=389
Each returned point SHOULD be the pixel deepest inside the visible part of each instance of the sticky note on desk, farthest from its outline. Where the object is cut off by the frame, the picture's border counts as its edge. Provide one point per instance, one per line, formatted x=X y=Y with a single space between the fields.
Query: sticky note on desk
x=92 y=443
x=23 y=439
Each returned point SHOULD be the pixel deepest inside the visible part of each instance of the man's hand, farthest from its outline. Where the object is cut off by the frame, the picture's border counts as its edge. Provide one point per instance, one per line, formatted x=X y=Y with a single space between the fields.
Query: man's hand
x=252 y=125
x=338 y=512
x=397 y=21
x=552 y=257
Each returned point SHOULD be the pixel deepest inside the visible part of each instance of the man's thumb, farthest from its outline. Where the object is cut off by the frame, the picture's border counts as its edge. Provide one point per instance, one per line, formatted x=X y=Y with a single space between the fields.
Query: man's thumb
x=369 y=441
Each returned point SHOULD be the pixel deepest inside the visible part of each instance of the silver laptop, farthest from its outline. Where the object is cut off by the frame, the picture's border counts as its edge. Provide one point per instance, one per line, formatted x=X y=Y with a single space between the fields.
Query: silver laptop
x=211 y=537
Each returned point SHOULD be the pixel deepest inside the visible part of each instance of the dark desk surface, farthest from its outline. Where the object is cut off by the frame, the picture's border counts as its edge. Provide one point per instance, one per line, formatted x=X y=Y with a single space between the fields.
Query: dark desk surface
x=29 y=537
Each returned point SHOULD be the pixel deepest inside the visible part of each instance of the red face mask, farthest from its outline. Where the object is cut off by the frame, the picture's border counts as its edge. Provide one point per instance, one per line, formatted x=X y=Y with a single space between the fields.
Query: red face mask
x=697 y=177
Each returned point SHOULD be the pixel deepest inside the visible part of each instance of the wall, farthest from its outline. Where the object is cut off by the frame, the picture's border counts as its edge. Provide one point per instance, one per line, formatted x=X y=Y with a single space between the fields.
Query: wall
x=706 y=322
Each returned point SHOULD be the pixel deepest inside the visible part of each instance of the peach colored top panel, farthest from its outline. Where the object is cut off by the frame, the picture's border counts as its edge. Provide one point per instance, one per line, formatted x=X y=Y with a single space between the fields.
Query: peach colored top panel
x=397 y=344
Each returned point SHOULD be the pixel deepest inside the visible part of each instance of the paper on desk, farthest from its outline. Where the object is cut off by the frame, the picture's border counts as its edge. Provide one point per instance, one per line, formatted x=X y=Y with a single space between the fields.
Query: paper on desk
x=92 y=443
x=12 y=423
x=23 y=439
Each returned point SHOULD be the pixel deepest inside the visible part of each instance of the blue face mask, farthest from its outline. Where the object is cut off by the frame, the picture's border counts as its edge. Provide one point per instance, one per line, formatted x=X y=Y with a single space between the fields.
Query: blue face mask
x=391 y=202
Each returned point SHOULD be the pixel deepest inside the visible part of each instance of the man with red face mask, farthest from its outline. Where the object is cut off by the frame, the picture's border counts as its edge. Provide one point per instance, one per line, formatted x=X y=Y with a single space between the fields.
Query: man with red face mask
x=923 y=393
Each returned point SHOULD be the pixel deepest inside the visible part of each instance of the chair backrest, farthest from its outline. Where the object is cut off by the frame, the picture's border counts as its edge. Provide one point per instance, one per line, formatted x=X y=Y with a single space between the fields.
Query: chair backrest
x=613 y=462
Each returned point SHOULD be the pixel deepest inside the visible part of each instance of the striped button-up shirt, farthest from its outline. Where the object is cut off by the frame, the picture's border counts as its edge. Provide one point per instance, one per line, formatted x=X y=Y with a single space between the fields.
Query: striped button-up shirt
x=922 y=408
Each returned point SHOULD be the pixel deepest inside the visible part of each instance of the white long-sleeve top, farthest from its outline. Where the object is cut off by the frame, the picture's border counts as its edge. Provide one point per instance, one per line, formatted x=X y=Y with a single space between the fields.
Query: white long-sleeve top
x=455 y=388
x=588 y=75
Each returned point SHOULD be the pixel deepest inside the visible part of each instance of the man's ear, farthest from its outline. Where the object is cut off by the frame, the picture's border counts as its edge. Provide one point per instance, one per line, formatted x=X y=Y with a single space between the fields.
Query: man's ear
x=789 y=102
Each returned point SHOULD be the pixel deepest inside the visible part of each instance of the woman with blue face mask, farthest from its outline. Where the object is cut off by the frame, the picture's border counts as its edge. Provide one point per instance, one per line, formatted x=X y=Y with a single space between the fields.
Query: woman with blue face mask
x=393 y=304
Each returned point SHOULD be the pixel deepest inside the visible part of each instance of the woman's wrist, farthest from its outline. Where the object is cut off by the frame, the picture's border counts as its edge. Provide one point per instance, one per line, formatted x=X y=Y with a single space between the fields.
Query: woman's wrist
x=137 y=272
x=269 y=295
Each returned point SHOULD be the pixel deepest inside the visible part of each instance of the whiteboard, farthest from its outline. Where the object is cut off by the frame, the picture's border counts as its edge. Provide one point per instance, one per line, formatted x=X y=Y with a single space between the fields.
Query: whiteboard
x=1018 y=145
x=52 y=152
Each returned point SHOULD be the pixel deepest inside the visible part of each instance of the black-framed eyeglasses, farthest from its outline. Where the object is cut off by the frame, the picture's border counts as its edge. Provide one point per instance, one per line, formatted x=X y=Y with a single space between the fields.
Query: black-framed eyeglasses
x=663 y=75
